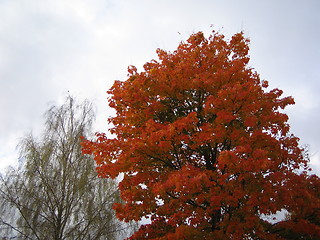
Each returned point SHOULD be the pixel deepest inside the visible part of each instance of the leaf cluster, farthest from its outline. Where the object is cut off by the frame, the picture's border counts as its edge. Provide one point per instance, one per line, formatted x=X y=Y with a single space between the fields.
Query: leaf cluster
x=205 y=148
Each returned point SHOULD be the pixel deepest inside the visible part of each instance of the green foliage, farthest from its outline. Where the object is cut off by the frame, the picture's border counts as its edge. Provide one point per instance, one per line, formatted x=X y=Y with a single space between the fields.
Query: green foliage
x=56 y=193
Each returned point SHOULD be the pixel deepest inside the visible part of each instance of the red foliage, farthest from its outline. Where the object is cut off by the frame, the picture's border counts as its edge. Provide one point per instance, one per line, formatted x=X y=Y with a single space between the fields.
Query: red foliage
x=204 y=147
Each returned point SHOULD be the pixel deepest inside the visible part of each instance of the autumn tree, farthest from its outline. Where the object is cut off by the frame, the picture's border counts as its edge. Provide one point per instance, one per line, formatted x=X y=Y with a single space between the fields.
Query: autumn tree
x=56 y=193
x=206 y=149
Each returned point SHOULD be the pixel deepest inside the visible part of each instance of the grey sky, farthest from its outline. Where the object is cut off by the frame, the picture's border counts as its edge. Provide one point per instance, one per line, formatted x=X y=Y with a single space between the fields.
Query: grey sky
x=50 y=47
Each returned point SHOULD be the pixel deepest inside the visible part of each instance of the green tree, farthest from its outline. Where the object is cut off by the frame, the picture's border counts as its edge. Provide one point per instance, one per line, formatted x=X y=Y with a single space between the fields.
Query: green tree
x=56 y=193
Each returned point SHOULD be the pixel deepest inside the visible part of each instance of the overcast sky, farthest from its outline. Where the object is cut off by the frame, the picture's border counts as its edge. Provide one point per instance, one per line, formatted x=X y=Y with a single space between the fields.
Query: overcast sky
x=50 y=47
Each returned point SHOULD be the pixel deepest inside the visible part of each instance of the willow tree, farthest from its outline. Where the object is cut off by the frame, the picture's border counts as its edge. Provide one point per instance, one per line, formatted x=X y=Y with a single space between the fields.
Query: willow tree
x=56 y=193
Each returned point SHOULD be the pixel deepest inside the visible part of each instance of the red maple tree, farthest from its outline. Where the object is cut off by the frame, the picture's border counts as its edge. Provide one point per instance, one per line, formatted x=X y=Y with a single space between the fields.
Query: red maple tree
x=205 y=148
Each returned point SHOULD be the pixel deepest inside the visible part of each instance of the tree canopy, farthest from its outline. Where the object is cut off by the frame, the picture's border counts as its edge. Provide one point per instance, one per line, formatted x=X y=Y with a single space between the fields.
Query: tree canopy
x=206 y=149
x=56 y=193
